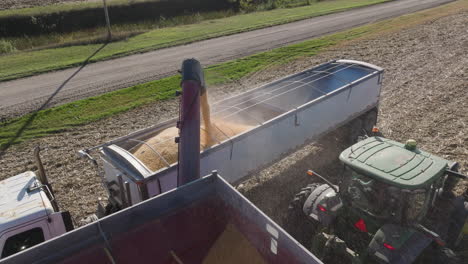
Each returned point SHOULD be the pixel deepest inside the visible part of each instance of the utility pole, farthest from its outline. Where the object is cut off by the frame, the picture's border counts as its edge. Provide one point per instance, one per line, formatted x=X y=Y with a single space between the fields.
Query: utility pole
x=106 y=13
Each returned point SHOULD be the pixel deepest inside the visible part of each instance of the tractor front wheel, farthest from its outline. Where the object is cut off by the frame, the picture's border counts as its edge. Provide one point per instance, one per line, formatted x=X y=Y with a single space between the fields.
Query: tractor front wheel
x=298 y=224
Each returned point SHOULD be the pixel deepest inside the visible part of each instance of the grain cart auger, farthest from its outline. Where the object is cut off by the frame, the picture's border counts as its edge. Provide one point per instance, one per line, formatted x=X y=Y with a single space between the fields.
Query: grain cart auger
x=393 y=204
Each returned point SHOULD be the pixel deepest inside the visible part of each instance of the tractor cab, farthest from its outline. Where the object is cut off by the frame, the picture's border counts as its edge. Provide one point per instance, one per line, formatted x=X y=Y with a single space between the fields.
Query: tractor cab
x=391 y=181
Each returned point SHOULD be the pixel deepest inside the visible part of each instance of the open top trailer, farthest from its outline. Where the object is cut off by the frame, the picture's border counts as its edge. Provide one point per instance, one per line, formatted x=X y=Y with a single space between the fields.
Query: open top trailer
x=281 y=116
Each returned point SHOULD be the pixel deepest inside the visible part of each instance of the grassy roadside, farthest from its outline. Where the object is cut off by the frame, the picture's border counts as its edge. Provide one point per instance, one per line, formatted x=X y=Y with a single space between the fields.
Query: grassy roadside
x=88 y=110
x=98 y=34
x=23 y=64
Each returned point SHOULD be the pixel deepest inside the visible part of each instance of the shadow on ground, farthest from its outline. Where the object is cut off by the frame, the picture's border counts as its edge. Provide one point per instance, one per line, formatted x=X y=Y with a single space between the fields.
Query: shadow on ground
x=28 y=122
x=274 y=195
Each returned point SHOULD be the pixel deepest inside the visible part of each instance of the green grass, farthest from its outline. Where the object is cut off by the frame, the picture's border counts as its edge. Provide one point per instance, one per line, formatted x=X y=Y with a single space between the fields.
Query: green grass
x=122 y=31
x=23 y=64
x=99 y=34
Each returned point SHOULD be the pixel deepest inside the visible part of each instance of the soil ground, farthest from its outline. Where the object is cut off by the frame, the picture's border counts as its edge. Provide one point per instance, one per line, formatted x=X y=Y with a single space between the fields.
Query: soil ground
x=424 y=97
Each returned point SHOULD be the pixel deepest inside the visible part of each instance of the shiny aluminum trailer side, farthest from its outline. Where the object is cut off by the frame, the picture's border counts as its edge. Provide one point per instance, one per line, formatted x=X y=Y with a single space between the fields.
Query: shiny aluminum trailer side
x=284 y=115
x=204 y=221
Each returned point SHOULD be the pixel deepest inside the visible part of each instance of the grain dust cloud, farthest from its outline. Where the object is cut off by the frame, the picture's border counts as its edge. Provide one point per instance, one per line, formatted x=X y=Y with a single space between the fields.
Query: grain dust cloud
x=161 y=150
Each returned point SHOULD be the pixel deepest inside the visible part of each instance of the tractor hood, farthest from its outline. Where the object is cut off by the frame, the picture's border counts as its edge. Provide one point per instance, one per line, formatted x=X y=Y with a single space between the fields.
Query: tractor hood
x=389 y=161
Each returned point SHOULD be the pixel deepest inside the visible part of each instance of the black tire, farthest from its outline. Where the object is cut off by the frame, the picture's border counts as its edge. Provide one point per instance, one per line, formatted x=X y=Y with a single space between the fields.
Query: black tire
x=369 y=120
x=450 y=183
x=435 y=254
x=445 y=256
x=110 y=209
x=297 y=224
x=457 y=221
x=355 y=129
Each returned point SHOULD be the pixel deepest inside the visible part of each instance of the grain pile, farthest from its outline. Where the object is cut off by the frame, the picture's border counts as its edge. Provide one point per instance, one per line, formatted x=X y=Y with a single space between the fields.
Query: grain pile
x=233 y=247
x=208 y=127
x=161 y=150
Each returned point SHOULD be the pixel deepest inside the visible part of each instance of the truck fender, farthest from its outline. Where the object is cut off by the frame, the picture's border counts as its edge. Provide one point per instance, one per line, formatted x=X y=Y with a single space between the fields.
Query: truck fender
x=397 y=244
x=322 y=204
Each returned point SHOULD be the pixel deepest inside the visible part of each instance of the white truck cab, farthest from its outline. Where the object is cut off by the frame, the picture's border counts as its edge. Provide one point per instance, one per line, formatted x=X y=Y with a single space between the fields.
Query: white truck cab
x=27 y=214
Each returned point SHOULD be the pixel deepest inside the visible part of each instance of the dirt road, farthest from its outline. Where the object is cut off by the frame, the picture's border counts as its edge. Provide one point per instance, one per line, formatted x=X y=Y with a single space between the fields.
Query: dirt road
x=23 y=95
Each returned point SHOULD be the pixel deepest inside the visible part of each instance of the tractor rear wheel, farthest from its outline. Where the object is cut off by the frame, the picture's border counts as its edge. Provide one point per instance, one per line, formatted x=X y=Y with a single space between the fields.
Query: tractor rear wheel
x=445 y=256
x=457 y=222
x=297 y=224
x=437 y=254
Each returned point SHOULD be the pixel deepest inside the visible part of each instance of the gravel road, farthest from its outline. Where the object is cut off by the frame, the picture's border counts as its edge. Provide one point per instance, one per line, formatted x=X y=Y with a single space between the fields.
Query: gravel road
x=424 y=97
x=24 y=95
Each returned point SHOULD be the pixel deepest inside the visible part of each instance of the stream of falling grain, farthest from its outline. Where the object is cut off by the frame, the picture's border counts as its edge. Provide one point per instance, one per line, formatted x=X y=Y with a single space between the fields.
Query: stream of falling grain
x=212 y=132
x=205 y=110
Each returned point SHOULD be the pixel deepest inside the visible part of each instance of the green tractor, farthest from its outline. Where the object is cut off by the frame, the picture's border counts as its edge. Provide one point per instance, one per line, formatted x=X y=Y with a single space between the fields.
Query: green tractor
x=394 y=204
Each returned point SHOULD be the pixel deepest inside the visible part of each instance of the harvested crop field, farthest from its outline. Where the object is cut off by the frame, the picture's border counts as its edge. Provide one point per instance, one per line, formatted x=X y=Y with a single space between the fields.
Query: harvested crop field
x=424 y=97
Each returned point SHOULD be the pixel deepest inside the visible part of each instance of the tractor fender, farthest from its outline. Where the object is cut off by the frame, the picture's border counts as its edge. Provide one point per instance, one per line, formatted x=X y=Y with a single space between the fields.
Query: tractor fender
x=322 y=204
x=397 y=244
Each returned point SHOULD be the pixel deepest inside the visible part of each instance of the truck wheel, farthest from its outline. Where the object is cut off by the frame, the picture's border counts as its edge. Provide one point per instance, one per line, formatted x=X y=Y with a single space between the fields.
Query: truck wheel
x=355 y=129
x=110 y=209
x=297 y=224
x=369 y=120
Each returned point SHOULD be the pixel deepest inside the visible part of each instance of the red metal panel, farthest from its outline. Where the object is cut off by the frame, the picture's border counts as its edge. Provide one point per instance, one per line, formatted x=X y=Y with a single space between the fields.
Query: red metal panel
x=260 y=238
x=94 y=254
x=189 y=234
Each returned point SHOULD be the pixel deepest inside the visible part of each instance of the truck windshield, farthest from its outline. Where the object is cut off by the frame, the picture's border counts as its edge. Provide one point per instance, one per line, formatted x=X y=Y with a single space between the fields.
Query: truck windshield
x=370 y=195
x=22 y=241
